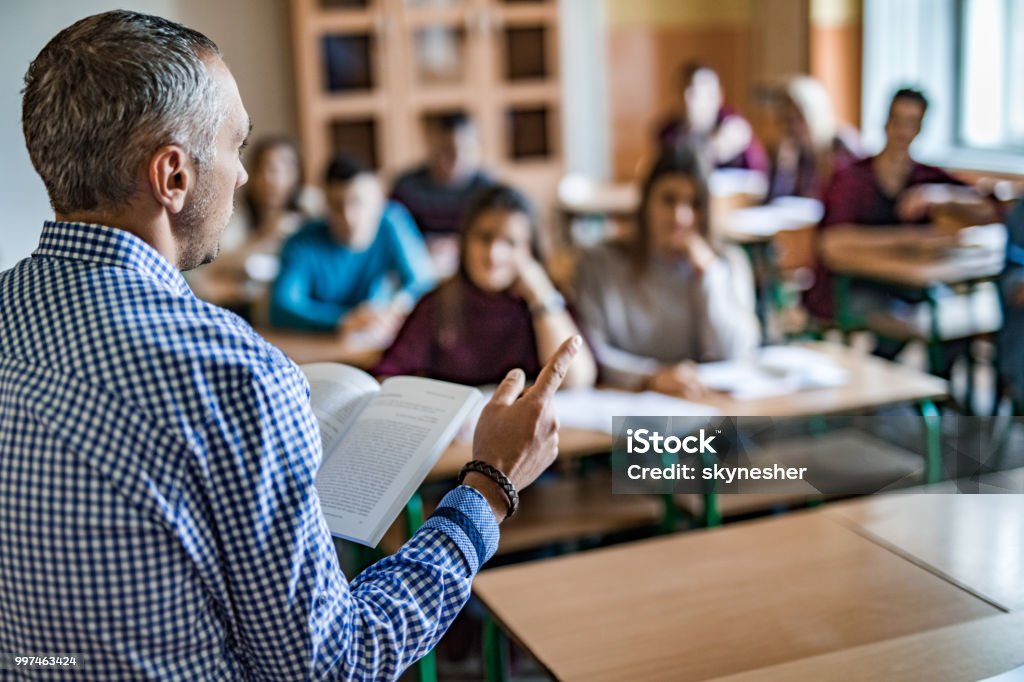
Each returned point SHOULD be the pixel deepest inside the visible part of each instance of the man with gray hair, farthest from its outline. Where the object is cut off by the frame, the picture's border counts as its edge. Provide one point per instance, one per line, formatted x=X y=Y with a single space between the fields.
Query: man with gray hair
x=157 y=457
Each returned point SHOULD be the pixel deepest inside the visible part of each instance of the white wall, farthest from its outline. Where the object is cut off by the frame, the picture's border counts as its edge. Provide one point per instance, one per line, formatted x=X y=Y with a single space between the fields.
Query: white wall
x=254 y=36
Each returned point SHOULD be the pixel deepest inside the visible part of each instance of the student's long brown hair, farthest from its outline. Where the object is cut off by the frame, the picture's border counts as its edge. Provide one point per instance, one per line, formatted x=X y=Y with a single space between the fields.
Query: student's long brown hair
x=505 y=198
x=262 y=147
x=673 y=160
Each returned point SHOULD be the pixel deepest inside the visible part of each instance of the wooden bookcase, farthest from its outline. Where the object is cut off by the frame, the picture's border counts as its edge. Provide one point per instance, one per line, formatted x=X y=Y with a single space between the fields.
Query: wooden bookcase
x=371 y=73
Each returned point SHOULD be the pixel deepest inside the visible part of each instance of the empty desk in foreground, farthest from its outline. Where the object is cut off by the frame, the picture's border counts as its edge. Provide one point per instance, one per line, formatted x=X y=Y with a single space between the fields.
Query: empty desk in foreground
x=719 y=602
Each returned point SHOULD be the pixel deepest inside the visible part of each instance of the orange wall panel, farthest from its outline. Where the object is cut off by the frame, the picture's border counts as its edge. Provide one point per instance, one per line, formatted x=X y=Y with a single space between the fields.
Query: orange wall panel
x=836 y=58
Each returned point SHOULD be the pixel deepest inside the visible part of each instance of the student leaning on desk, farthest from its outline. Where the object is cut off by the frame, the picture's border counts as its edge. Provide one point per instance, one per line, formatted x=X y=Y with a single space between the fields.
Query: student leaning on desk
x=890 y=201
x=339 y=272
x=157 y=456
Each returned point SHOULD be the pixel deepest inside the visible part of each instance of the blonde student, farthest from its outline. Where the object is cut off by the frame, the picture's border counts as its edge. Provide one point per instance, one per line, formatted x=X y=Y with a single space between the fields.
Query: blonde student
x=669 y=296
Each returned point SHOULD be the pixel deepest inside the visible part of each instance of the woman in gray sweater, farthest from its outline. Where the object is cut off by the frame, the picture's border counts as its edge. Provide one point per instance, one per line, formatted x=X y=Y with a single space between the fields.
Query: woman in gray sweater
x=669 y=296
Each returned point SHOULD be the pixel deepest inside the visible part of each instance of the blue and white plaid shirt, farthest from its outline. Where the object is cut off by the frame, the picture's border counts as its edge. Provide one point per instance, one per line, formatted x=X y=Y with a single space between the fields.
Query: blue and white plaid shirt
x=157 y=510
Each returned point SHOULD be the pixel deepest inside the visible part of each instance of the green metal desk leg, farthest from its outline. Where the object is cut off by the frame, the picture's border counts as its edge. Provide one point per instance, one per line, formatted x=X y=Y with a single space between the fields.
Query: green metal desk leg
x=495 y=652
x=363 y=556
x=758 y=258
x=932 y=441
x=414 y=513
x=427 y=666
x=670 y=516
x=712 y=515
x=935 y=354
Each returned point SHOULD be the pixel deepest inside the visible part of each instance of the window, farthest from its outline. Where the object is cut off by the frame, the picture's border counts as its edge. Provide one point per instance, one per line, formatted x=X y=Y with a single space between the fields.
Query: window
x=968 y=57
x=991 y=83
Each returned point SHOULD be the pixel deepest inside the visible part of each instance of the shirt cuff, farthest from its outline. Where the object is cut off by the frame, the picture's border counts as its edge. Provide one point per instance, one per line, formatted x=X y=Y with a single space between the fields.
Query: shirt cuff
x=466 y=517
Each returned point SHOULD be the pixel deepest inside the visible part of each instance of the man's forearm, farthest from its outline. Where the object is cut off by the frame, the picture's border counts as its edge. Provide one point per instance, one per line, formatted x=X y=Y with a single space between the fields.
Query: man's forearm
x=398 y=609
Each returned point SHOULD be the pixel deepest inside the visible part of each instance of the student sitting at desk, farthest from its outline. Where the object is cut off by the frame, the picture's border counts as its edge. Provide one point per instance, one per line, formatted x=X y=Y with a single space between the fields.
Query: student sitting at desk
x=273 y=205
x=270 y=208
x=499 y=311
x=812 y=145
x=340 y=273
x=722 y=137
x=438 y=192
x=670 y=296
x=889 y=190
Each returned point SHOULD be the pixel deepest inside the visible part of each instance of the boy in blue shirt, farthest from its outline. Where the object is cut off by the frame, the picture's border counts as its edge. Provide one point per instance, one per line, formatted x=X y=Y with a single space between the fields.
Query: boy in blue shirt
x=360 y=271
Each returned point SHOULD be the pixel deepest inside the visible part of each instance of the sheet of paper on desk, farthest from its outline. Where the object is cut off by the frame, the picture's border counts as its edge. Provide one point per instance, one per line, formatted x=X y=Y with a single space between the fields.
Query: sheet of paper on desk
x=784 y=213
x=593 y=409
x=777 y=370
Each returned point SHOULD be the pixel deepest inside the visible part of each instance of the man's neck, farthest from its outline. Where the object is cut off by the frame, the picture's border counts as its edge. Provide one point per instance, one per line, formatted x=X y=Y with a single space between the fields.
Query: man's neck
x=147 y=231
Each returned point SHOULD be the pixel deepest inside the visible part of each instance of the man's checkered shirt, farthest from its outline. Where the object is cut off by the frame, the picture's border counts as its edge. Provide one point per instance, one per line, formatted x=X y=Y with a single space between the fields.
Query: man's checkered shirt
x=157 y=510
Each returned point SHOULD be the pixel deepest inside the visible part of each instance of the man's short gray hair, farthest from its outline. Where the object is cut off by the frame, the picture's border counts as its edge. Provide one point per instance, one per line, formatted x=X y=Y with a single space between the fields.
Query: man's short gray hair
x=107 y=92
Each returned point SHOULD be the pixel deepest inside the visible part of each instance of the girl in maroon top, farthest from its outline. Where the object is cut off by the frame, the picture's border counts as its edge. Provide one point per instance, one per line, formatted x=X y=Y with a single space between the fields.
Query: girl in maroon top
x=498 y=312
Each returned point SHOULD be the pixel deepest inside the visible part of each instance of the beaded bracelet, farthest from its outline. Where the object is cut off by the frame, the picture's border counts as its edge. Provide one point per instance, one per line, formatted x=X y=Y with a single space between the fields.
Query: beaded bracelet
x=499 y=478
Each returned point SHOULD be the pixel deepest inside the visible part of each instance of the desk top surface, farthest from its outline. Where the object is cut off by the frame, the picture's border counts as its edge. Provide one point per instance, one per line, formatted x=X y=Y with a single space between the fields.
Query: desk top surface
x=920 y=271
x=975 y=650
x=306 y=347
x=976 y=541
x=873 y=383
x=726 y=601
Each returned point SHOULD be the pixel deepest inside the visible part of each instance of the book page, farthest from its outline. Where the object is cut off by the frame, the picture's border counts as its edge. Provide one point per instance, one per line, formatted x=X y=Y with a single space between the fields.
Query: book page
x=337 y=394
x=375 y=468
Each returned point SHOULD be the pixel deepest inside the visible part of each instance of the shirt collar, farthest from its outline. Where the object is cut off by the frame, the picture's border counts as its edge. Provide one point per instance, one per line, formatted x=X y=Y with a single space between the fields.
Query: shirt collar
x=108 y=246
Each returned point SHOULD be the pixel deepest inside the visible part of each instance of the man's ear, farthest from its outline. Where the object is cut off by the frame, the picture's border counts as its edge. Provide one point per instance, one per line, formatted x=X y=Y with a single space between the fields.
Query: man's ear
x=170 y=177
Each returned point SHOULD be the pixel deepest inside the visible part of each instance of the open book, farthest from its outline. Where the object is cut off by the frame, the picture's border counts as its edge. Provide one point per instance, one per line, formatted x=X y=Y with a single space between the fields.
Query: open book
x=379 y=442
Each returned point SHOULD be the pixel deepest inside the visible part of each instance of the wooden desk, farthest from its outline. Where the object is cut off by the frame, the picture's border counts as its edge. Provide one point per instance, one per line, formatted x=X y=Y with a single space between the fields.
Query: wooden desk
x=956 y=653
x=975 y=541
x=583 y=197
x=306 y=347
x=924 y=273
x=873 y=383
x=760 y=224
x=719 y=602
x=919 y=271
x=226 y=291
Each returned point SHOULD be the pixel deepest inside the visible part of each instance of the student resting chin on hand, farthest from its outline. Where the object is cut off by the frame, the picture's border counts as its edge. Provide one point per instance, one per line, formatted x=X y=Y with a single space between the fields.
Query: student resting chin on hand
x=668 y=297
